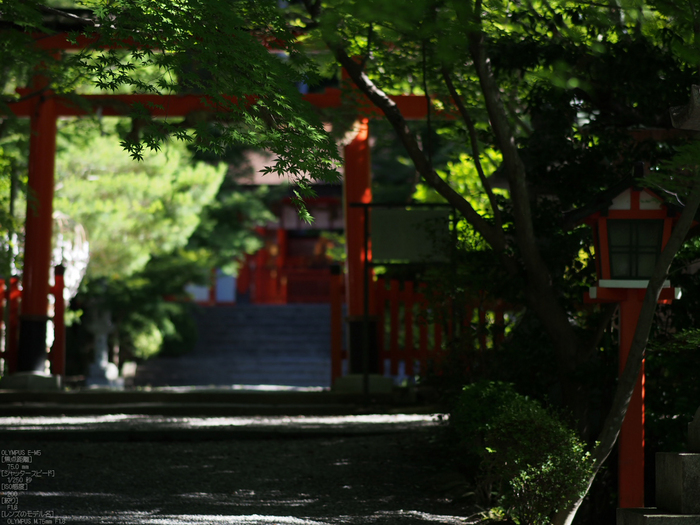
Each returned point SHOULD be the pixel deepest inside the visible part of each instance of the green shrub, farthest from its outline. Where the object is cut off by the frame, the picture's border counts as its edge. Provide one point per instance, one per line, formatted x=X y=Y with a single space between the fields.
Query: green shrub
x=535 y=462
x=474 y=410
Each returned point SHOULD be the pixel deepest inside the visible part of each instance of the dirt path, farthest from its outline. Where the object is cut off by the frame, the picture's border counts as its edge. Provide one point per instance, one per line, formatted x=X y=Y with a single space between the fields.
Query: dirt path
x=296 y=480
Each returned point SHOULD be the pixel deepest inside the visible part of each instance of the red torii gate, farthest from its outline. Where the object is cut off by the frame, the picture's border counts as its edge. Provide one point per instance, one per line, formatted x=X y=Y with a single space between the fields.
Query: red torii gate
x=43 y=107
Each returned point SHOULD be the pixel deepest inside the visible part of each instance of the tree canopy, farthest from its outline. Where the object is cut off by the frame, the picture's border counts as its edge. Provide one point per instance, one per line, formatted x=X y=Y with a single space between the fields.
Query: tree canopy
x=240 y=57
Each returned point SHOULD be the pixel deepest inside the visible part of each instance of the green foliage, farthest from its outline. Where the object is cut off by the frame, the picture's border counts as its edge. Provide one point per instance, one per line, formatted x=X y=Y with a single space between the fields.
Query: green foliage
x=672 y=367
x=536 y=464
x=671 y=364
x=146 y=322
x=224 y=233
x=153 y=226
x=10 y=228
x=217 y=50
x=473 y=411
x=146 y=340
x=335 y=246
x=131 y=211
x=240 y=58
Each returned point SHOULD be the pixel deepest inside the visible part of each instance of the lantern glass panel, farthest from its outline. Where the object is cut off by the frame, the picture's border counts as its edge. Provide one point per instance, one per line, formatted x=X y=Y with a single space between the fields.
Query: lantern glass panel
x=634 y=247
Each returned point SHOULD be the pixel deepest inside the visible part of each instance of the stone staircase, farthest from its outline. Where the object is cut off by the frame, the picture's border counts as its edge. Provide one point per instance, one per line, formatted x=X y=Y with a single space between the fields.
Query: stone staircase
x=250 y=345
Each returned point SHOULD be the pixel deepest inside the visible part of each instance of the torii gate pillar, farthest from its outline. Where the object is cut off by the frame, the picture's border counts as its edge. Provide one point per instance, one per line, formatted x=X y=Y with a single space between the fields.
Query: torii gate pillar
x=356 y=188
x=37 y=255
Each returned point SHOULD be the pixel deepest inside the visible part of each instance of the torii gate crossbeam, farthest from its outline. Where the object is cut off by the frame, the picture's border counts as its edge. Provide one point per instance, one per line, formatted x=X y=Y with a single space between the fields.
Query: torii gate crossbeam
x=43 y=108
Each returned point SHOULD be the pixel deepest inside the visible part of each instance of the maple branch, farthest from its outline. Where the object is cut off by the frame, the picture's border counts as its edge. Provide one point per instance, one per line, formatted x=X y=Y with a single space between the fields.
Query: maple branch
x=494 y=236
x=475 y=146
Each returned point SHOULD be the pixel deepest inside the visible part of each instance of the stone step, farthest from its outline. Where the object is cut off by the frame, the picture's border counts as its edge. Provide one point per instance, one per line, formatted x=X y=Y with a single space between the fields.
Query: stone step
x=257 y=334
x=259 y=377
x=250 y=337
x=250 y=344
x=224 y=378
x=214 y=364
x=269 y=314
x=235 y=351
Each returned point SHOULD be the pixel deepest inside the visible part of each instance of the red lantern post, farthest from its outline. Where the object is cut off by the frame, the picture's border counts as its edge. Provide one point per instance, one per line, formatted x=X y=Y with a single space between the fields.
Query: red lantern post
x=629 y=232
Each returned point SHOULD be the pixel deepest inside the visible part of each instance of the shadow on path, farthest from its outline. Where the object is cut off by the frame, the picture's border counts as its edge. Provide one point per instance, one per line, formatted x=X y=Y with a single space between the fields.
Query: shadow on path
x=348 y=475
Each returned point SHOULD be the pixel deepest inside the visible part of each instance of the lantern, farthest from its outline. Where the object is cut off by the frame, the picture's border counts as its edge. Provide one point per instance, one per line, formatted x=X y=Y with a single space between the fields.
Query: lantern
x=631 y=225
x=630 y=228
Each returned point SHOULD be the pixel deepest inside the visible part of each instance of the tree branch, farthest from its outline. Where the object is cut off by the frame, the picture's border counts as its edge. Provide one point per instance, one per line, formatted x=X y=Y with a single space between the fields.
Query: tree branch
x=70 y=16
x=493 y=236
x=540 y=293
x=514 y=167
x=475 y=146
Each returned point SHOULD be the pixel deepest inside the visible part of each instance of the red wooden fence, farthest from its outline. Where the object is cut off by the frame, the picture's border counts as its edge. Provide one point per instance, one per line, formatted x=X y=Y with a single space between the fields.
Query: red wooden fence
x=10 y=299
x=413 y=332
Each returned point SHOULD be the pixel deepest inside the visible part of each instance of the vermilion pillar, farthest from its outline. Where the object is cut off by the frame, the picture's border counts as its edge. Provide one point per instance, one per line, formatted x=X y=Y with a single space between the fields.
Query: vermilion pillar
x=356 y=188
x=631 y=439
x=37 y=251
x=631 y=442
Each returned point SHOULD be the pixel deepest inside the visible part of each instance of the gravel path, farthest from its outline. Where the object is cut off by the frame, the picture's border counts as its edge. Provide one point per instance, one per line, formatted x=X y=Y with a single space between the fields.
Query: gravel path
x=296 y=479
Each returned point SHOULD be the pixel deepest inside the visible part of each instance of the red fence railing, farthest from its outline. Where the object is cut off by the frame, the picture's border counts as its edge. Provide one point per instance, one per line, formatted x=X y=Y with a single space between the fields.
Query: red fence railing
x=414 y=333
x=10 y=301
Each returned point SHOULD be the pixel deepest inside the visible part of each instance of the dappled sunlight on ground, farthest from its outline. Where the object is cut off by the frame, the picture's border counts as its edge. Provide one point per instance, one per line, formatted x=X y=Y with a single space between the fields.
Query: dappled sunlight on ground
x=149 y=518
x=279 y=470
x=149 y=422
x=241 y=498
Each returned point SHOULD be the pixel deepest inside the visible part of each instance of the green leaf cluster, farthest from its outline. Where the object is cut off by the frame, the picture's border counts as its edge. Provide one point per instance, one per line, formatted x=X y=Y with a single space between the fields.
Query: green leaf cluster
x=221 y=52
x=239 y=57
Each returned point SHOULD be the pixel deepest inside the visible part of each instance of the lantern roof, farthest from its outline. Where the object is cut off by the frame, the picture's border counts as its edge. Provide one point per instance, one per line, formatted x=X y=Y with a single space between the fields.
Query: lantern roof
x=627 y=195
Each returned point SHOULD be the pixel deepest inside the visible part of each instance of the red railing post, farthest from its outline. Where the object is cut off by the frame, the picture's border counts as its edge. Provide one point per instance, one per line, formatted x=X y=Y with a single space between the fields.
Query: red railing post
x=423 y=328
x=379 y=297
x=409 y=350
x=394 y=325
x=58 y=350
x=471 y=322
x=336 y=293
x=13 y=297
